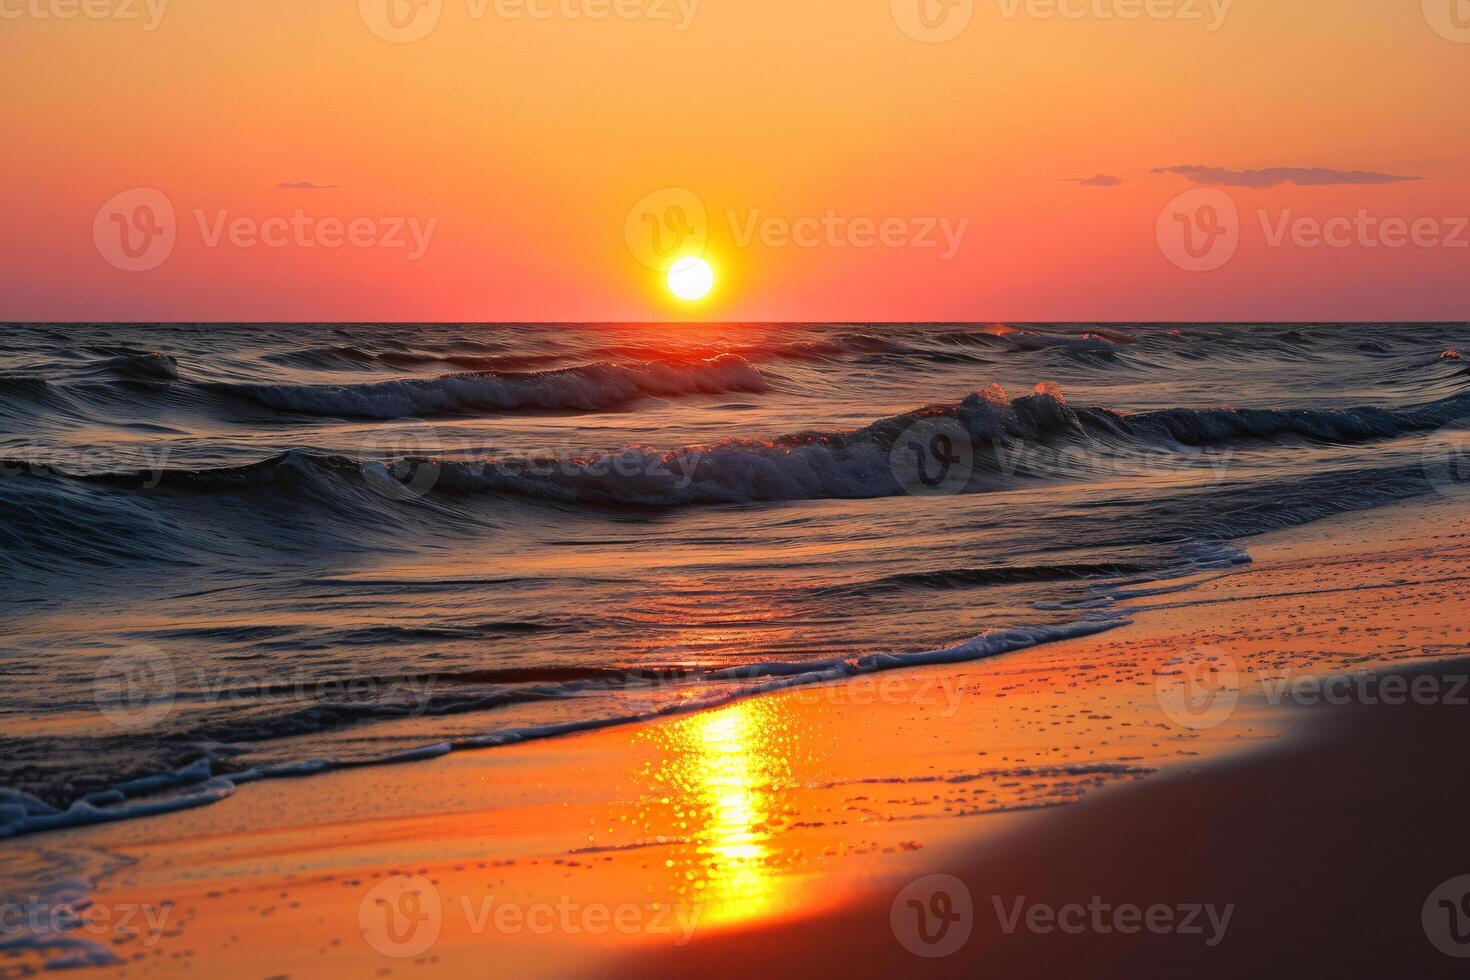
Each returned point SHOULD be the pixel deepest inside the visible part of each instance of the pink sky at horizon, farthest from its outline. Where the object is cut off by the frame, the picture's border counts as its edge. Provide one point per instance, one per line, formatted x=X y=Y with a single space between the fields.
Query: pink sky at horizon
x=513 y=152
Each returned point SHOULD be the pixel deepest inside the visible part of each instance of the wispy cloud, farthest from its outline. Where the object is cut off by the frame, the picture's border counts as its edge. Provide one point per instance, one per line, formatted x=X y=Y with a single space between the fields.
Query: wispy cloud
x=1097 y=180
x=304 y=185
x=1273 y=176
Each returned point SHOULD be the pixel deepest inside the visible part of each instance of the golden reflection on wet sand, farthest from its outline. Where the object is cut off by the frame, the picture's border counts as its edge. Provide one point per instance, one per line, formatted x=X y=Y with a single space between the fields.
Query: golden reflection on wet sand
x=723 y=777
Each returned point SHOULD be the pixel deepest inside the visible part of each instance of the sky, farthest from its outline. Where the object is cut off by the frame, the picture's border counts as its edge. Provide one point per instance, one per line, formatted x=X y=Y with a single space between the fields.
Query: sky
x=833 y=160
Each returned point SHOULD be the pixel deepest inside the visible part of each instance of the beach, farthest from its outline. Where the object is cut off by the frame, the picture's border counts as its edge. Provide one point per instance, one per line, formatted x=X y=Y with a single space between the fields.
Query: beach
x=779 y=830
x=655 y=488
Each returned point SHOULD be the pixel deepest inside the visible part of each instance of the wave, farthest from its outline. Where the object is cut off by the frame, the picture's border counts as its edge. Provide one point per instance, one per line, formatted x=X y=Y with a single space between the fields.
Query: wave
x=925 y=451
x=31 y=387
x=590 y=387
x=127 y=382
x=987 y=441
x=602 y=376
x=337 y=357
x=1199 y=427
x=147 y=365
x=1092 y=343
x=970 y=578
x=1095 y=341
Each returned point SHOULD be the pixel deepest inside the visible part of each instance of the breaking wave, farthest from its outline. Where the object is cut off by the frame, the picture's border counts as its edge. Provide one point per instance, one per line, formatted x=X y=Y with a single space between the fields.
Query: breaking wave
x=989 y=433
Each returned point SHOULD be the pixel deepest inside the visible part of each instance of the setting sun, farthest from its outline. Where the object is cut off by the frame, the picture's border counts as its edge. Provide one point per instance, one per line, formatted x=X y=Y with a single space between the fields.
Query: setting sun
x=691 y=279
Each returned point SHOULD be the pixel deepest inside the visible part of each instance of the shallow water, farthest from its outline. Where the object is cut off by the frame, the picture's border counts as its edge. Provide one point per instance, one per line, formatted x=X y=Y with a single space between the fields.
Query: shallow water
x=240 y=551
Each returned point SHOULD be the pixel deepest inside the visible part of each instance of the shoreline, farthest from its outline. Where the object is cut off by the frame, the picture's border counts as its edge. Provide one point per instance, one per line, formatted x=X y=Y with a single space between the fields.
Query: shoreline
x=782 y=815
x=207 y=788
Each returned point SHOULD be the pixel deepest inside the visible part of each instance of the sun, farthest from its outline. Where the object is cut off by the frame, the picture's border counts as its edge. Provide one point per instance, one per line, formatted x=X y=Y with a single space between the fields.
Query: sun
x=691 y=279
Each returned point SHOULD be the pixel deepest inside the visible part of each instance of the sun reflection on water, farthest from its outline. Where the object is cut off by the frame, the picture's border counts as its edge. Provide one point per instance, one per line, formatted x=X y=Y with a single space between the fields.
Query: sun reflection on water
x=721 y=777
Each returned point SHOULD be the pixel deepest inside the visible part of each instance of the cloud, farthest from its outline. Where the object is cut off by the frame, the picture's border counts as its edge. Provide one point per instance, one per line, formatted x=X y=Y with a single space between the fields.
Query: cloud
x=305 y=185
x=1273 y=176
x=1098 y=180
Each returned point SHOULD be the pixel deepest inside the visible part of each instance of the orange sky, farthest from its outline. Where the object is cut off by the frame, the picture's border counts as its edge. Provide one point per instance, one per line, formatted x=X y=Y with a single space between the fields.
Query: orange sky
x=518 y=144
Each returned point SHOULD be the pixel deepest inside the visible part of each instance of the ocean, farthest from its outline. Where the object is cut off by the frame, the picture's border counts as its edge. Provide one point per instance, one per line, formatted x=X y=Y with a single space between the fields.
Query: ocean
x=238 y=552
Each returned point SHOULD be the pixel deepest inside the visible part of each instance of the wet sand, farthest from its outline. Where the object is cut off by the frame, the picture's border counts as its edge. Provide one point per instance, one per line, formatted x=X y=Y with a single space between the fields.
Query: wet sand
x=1316 y=859
x=777 y=832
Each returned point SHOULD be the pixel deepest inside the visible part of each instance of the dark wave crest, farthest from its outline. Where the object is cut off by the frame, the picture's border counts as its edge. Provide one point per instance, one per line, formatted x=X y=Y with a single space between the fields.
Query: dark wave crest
x=995 y=441
x=590 y=387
